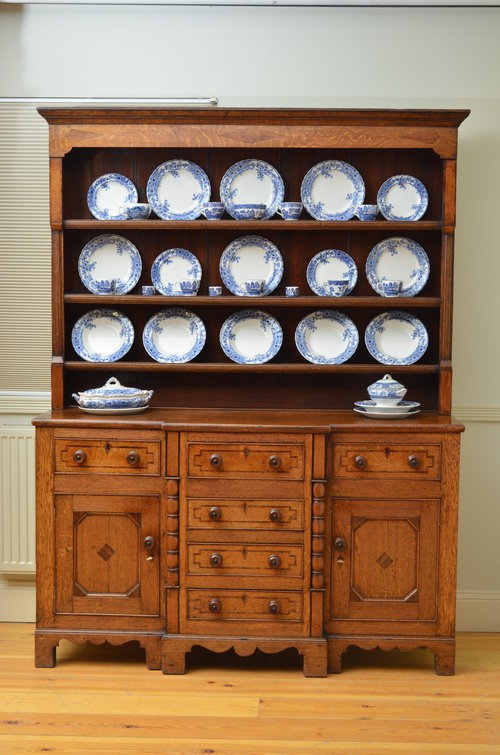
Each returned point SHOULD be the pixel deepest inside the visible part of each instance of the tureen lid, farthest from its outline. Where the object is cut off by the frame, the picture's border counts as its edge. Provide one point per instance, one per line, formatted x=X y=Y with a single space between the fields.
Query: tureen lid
x=113 y=388
x=386 y=382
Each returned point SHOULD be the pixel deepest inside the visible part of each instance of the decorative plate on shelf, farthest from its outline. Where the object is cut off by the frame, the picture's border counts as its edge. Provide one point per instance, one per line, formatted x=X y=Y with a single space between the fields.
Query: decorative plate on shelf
x=126 y=410
x=326 y=337
x=396 y=338
x=174 y=336
x=102 y=335
x=109 y=194
x=402 y=197
x=178 y=190
x=252 y=181
x=401 y=259
x=251 y=258
x=329 y=265
x=380 y=412
x=109 y=264
x=173 y=266
x=372 y=407
x=332 y=190
x=251 y=337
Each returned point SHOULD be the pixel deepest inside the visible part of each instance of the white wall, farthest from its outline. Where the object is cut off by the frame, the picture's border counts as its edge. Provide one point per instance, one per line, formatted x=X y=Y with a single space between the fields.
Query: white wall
x=331 y=57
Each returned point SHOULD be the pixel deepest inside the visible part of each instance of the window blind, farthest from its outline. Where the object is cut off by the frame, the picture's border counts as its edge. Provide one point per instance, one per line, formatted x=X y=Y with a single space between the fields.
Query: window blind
x=25 y=313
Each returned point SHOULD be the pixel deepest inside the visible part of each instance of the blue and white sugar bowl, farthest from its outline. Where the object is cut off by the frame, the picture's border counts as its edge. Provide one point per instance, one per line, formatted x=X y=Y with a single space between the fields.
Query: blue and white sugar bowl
x=386 y=391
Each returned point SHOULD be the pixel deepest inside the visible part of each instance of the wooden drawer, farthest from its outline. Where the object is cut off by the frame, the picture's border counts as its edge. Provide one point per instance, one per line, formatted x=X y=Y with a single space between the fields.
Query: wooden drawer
x=252 y=607
x=270 y=515
x=99 y=456
x=242 y=561
x=387 y=460
x=246 y=459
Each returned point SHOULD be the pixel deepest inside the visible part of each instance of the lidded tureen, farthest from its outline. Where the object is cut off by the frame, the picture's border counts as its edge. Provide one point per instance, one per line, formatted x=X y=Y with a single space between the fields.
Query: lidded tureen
x=386 y=391
x=113 y=395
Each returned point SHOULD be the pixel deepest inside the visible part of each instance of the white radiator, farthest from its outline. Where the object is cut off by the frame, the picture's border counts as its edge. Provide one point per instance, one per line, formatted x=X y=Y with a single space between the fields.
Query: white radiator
x=17 y=499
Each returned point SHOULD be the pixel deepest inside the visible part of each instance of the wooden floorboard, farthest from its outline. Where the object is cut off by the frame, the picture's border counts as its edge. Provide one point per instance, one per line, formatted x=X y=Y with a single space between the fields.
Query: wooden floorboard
x=103 y=699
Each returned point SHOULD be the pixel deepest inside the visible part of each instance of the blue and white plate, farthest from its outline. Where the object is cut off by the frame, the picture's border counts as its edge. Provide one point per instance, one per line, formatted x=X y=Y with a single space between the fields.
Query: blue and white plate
x=398 y=258
x=326 y=337
x=174 y=336
x=251 y=337
x=102 y=335
x=332 y=190
x=109 y=264
x=173 y=266
x=396 y=338
x=252 y=182
x=381 y=413
x=178 y=190
x=402 y=197
x=372 y=407
x=108 y=196
x=330 y=265
x=251 y=258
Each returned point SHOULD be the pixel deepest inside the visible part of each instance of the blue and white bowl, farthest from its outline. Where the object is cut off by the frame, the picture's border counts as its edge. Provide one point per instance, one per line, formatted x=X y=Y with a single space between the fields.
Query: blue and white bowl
x=249 y=211
x=138 y=211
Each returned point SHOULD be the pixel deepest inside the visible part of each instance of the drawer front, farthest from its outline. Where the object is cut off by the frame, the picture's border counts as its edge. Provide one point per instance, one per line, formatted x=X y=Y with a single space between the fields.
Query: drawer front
x=236 y=459
x=385 y=460
x=268 y=561
x=218 y=515
x=251 y=607
x=98 y=456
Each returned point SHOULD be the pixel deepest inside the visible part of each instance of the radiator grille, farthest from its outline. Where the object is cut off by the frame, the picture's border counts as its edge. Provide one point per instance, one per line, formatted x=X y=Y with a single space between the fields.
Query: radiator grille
x=17 y=499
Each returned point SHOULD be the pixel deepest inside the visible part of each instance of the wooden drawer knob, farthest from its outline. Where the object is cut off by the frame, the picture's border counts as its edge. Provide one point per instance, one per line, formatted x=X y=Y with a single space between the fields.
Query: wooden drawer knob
x=274 y=561
x=215 y=513
x=340 y=544
x=216 y=461
x=275 y=461
x=79 y=457
x=216 y=559
x=215 y=606
x=274 y=607
x=275 y=515
x=133 y=458
x=149 y=545
x=360 y=462
x=414 y=461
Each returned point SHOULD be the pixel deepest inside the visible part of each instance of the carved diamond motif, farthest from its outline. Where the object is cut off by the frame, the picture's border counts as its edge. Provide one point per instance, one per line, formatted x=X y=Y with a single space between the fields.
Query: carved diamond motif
x=384 y=560
x=106 y=552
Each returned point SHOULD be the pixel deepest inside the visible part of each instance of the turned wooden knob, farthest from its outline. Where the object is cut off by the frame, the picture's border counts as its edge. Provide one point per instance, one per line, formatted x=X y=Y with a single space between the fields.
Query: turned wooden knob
x=340 y=544
x=360 y=462
x=274 y=607
x=216 y=559
x=275 y=515
x=79 y=457
x=149 y=544
x=414 y=461
x=215 y=513
x=133 y=458
x=216 y=461
x=275 y=461
x=274 y=561
x=215 y=606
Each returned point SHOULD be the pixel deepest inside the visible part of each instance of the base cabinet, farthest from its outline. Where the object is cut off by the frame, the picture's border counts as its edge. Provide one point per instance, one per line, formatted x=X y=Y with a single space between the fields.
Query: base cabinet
x=253 y=539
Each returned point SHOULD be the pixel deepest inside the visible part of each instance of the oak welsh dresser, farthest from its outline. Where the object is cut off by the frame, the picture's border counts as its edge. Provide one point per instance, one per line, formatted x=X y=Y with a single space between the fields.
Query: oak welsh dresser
x=249 y=507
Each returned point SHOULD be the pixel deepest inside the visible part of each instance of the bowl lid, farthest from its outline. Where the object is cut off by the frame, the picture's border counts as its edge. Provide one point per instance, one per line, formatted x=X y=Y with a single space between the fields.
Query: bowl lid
x=386 y=383
x=113 y=389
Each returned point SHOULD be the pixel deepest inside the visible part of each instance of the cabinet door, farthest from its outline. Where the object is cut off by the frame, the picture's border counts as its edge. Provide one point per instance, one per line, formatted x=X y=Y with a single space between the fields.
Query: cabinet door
x=384 y=560
x=107 y=555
